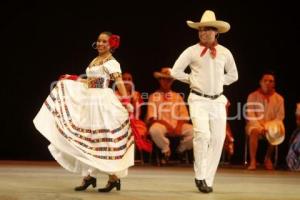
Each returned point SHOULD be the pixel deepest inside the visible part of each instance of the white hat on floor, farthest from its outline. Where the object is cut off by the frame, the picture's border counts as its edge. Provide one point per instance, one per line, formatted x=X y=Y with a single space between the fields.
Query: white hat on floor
x=208 y=19
x=275 y=132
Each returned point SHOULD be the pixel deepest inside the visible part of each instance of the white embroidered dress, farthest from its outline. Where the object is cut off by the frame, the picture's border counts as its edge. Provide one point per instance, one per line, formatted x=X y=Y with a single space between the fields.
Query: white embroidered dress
x=87 y=126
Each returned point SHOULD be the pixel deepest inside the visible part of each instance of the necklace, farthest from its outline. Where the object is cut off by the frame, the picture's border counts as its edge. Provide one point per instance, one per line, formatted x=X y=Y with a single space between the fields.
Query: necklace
x=99 y=61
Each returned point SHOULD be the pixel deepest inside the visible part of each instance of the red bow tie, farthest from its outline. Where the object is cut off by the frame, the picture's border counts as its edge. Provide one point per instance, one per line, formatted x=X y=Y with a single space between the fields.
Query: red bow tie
x=211 y=47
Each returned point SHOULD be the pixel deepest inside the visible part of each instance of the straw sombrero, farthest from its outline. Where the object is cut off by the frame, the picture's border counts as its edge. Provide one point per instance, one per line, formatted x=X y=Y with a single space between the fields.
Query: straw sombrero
x=275 y=132
x=165 y=72
x=208 y=19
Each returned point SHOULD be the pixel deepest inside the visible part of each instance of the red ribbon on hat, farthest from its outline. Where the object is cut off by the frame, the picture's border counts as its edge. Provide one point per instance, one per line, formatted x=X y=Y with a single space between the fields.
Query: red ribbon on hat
x=211 y=47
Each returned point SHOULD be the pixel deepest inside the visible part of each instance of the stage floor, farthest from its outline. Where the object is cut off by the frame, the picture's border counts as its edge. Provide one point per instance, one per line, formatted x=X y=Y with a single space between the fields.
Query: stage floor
x=21 y=180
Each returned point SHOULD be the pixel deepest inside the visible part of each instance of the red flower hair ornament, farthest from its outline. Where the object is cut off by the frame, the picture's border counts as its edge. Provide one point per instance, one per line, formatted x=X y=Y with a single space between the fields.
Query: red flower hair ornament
x=114 y=41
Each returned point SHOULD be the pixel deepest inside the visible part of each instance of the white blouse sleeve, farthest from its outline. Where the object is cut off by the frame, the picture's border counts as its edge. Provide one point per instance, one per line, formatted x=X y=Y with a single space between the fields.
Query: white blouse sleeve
x=112 y=66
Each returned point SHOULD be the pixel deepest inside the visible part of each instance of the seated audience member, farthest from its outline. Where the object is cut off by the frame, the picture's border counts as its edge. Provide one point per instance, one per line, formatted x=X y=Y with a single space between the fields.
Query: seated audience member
x=138 y=127
x=293 y=156
x=167 y=115
x=265 y=109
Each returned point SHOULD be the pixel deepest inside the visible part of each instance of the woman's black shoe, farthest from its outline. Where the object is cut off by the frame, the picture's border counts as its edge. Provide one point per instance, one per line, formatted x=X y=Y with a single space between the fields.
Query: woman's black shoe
x=111 y=185
x=202 y=186
x=86 y=183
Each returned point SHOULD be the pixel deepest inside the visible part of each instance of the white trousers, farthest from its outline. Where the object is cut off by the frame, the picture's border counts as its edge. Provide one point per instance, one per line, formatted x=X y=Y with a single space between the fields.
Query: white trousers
x=209 y=122
x=158 y=134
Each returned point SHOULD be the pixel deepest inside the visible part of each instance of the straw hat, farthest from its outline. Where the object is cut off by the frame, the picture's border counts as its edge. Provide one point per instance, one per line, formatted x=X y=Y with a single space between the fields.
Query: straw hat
x=209 y=19
x=275 y=132
x=165 y=72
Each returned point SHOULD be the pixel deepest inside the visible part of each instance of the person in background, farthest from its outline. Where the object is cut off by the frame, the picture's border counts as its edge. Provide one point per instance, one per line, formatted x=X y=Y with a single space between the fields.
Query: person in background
x=139 y=128
x=167 y=115
x=264 y=106
x=135 y=96
x=293 y=156
x=229 y=139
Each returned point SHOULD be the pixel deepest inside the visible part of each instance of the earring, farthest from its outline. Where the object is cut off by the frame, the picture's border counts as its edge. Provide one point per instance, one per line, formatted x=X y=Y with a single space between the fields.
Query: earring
x=94 y=45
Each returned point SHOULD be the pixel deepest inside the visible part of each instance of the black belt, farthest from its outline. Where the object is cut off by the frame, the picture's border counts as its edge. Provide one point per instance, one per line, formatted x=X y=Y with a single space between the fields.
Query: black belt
x=206 y=95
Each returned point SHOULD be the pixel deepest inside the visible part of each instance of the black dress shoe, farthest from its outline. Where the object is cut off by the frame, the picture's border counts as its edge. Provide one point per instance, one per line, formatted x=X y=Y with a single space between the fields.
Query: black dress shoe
x=111 y=185
x=202 y=186
x=86 y=183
